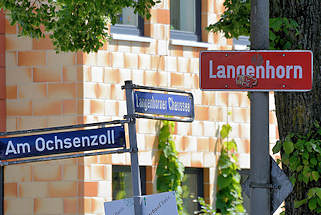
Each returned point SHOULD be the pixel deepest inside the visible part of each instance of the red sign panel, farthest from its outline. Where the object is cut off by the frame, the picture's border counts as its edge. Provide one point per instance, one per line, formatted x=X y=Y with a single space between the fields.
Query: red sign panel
x=256 y=70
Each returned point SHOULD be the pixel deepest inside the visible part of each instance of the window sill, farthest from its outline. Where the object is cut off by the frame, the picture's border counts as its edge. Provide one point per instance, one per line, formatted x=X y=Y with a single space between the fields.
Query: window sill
x=131 y=38
x=189 y=43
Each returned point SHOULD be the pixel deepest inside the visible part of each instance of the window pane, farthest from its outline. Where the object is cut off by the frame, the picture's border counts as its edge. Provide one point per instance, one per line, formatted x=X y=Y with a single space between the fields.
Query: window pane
x=183 y=16
x=122 y=182
x=122 y=185
x=128 y=17
x=192 y=188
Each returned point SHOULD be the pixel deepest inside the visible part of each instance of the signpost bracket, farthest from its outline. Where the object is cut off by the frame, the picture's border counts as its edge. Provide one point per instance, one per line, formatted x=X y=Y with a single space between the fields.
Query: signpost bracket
x=133 y=149
x=131 y=117
x=264 y=186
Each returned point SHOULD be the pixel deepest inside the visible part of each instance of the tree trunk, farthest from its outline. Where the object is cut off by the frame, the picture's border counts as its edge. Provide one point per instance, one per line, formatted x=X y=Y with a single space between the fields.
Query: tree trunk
x=296 y=112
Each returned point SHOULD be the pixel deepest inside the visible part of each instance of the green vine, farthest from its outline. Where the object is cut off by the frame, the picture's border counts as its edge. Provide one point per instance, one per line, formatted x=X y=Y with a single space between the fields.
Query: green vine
x=170 y=171
x=302 y=155
x=235 y=22
x=228 y=197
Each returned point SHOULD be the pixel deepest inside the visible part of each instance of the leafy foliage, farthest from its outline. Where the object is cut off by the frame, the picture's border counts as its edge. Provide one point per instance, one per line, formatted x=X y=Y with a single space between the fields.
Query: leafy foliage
x=302 y=155
x=206 y=209
x=72 y=24
x=282 y=32
x=235 y=22
x=228 y=196
x=170 y=171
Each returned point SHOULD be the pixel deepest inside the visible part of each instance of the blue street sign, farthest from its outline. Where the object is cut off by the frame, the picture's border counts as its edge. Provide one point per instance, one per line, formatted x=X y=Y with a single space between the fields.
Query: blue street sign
x=163 y=104
x=62 y=142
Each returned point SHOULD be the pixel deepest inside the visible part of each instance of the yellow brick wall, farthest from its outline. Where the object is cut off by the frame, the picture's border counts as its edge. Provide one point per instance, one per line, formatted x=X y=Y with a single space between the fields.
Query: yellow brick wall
x=46 y=89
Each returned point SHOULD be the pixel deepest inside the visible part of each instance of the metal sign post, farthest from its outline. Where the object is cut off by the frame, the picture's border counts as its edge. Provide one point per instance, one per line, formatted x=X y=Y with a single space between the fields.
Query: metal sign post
x=141 y=104
x=259 y=71
x=26 y=149
x=133 y=146
x=259 y=125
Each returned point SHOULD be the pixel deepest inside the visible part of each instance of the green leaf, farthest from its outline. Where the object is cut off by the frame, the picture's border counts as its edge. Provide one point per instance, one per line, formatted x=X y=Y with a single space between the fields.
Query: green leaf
x=230 y=145
x=305 y=155
x=315 y=175
x=318 y=210
x=285 y=159
x=293 y=180
x=299 y=168
x=287 y=45
x=318 y=193
x=288 y=147
x=276 y=23
x=306 y=179
x=314 y=161
x=223 y=182
x=312 y=204
x=311 y=192
x=277 y=147
x=226 y=129
x=294 y=162
x=272 y=36
x=316 y=124
x=298 y=204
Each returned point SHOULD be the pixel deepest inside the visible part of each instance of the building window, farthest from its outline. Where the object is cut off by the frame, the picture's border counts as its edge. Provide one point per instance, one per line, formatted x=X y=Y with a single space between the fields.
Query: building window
x=185 y=19
x=192 y=188
x=128 y=23
x=122 y=182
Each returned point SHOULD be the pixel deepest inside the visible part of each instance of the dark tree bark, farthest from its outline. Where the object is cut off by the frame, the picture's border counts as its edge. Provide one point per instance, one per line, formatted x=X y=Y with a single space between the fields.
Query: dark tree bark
x=296 y=112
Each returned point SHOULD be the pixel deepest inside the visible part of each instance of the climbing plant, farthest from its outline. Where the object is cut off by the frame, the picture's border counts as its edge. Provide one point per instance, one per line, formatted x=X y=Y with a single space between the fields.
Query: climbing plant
x=302 y=155
x=170 y=171
x=228 y=196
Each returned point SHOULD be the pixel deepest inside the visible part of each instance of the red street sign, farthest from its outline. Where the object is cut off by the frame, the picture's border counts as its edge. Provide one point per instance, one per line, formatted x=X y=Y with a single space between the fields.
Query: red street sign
x=256 y=70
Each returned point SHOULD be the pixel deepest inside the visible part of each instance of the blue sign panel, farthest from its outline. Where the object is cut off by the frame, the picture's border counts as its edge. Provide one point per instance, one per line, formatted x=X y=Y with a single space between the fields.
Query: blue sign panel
x=164 y=104
x=63 y=142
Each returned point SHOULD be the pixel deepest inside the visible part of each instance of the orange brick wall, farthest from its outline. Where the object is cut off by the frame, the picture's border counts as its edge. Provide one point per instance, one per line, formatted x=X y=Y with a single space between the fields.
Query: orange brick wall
x=45 y=89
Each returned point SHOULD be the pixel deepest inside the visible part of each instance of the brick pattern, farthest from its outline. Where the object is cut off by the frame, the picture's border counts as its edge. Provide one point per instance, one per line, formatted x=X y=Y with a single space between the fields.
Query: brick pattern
x=45 y=89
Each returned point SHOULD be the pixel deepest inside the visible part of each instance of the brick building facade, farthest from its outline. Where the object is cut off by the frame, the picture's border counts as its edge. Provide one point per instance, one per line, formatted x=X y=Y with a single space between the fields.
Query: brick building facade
x=39 y=88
